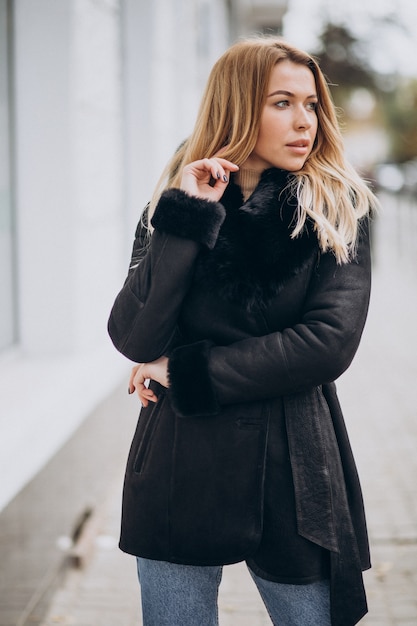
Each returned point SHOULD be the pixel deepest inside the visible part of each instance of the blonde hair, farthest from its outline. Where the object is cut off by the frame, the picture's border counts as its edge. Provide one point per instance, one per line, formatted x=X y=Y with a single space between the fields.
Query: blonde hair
x=329 y=190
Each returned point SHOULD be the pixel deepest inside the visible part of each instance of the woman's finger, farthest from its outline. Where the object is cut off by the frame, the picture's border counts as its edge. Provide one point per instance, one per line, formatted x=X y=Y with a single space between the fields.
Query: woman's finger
x=204 y=169
x=226 y=164
x=217 y=167
x=221 y=168
x=207 y=178
x=146 y=395
x=131 y=387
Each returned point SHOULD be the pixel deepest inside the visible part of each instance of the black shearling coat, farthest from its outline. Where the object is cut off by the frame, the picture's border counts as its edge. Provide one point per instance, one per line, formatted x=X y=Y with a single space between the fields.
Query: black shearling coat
x=246 y=455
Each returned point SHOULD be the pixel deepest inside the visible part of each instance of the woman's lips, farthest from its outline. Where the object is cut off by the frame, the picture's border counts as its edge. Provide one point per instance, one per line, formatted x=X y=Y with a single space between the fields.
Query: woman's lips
x=299 y=147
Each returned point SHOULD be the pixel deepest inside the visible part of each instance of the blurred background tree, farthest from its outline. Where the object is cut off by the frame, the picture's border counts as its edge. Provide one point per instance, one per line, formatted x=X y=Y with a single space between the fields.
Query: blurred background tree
x=366 y=97
x=344 y=61
x=400 y=111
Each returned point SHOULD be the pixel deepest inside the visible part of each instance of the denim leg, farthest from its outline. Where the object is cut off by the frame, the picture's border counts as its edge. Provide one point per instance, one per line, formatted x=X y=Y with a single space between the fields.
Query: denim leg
x=178 y=595
x=296 y=605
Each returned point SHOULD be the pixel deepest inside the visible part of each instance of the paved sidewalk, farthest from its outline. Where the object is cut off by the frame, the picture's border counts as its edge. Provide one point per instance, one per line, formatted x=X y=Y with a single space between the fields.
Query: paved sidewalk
x=378 y=395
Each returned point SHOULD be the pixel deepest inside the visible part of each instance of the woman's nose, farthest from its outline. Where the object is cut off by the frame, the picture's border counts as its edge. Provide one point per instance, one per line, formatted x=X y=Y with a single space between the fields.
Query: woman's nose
x=302 y=118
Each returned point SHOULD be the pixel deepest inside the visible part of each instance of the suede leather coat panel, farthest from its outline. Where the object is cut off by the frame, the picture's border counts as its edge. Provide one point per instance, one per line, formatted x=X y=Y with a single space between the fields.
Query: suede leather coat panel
x=257 y=326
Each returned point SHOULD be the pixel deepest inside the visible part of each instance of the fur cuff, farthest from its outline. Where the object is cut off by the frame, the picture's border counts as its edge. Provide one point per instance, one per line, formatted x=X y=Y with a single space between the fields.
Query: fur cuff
x=190 y=390
x=189 y=217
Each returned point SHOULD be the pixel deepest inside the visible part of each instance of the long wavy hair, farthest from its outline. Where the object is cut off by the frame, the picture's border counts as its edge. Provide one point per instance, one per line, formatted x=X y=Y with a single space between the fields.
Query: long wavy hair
x=329 y=190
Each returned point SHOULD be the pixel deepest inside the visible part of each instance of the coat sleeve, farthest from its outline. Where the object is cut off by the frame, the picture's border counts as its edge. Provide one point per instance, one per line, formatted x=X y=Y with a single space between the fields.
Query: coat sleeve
x=315 y=351
x=143 y=318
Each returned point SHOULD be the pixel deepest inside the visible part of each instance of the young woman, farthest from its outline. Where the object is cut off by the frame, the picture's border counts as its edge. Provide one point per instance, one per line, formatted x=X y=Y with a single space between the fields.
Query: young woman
x=246 y=298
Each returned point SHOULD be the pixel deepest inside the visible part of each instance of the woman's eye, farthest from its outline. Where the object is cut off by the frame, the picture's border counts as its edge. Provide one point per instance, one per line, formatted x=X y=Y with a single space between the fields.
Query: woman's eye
x=282 y=104
x=312 y=106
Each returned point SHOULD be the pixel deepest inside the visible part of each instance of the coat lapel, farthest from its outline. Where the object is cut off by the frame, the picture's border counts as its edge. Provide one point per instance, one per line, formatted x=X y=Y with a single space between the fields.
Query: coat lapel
x=255 y=255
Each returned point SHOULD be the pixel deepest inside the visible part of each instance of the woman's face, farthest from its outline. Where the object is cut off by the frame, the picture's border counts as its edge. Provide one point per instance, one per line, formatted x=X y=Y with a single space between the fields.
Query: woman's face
x=288 y=121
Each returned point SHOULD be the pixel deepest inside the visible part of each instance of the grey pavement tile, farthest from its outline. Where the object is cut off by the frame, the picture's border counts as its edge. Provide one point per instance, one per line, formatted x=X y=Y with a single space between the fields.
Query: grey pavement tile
x=9 y=617
x=404 y=611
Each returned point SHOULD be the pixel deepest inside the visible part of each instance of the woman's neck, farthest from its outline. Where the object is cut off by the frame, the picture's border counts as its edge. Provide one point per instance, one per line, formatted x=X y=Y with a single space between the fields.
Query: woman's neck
x=247 y=180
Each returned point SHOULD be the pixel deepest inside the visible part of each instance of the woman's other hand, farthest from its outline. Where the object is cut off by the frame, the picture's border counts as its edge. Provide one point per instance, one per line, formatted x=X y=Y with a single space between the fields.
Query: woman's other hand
x=155 y=370
x=207 y=178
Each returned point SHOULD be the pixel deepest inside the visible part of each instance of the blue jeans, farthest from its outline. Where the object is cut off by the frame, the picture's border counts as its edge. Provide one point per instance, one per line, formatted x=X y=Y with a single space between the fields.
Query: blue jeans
x=186 y=595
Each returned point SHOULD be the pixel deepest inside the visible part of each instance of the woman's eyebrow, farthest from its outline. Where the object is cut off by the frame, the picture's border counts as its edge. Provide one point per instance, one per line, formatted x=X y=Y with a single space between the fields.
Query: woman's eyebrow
x=283 y=92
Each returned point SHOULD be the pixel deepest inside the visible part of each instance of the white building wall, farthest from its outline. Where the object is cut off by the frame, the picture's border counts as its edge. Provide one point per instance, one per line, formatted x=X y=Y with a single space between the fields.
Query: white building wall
x=104 y=92
x=69 y=170
x=69 y=202
x=169 y=49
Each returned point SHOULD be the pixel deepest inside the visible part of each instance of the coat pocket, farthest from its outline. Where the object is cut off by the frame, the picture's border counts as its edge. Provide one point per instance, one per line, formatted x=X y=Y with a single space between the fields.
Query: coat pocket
x=148 y=423
x=217 y=486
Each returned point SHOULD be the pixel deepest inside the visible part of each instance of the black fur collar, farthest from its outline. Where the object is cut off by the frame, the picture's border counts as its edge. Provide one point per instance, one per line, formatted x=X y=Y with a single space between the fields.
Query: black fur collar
x=254 y=255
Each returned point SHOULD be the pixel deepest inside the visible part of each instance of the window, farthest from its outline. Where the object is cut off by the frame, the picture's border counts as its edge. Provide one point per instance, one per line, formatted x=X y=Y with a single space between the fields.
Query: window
x=7 y=290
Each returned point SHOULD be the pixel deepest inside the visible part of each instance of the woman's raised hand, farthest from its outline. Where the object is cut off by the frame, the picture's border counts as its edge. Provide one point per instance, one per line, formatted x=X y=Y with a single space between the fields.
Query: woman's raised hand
x=207 y=178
